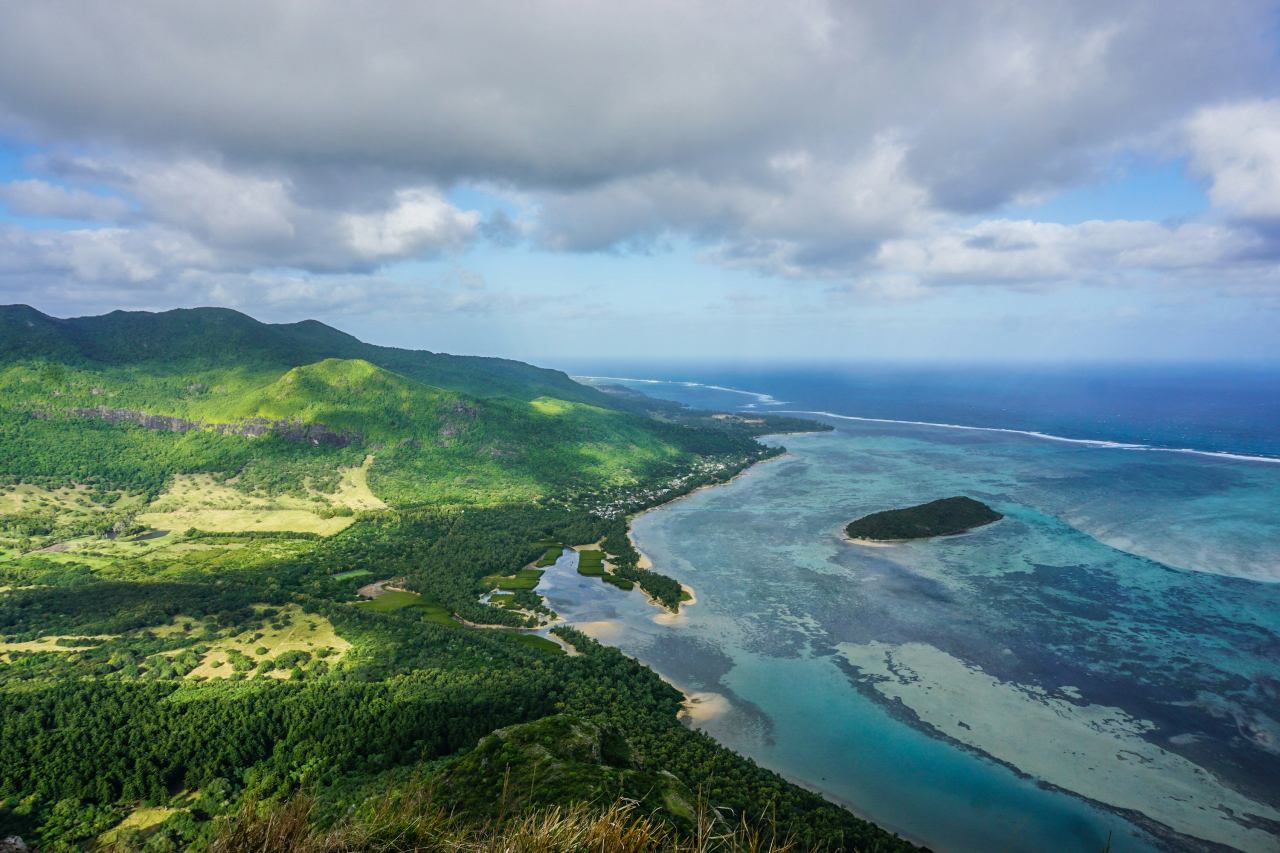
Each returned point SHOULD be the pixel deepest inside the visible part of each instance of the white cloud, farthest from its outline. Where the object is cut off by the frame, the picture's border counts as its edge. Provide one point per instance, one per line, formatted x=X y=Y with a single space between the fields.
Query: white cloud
x=812 y=139
x=419 y=221
x=991 y=100
x=1237 y=147
x=214 y=204
x=40 y=198
x=804 y=212
x=248 y=219
x=128 y=256
x=1025 y=252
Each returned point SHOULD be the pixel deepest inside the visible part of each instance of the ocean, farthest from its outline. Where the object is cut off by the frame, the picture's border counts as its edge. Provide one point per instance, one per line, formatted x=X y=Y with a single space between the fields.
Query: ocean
x=1100 y=667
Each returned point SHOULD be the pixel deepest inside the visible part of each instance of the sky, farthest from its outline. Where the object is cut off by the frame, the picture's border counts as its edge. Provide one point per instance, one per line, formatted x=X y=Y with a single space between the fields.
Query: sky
x=701 y=180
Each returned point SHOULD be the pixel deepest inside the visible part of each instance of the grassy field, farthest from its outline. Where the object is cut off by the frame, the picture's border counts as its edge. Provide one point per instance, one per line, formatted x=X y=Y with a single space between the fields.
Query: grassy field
x=354 y=573
x=394 y=599
x=26 y=497
x=536 y=642
x=199 y=501
x=591 y=563
x=75 y=519
x=140 y=819
x=290 y=630
x=525 y=579
x=51 y=643
x=353 y=489
x=33 y=518
x=549 y=558
x=620 y=583
x=165 y=557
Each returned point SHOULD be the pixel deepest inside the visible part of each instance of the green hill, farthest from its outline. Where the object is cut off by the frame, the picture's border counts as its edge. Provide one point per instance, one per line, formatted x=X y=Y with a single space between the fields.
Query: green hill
x=442 y=428
x=192 y=340
x=189 y=504
x=944 y=517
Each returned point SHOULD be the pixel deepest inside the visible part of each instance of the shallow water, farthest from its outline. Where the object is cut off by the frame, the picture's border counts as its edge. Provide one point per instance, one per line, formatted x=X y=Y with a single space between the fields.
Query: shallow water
x=1109 y=636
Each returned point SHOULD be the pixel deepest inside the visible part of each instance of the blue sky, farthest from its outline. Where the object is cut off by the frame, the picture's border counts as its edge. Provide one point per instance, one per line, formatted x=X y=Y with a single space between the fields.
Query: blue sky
x=808 y=181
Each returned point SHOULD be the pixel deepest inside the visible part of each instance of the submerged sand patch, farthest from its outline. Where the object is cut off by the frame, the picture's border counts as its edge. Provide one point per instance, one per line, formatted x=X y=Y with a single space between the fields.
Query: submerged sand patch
x=601 y=629
x=703 y=706
x=1093 y=750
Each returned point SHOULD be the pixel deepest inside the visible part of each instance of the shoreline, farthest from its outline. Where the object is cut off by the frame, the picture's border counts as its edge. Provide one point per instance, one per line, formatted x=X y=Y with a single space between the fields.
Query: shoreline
x=1101 y=443
x=870 y=543
x=889 y=543
x=700 y=707
x=644 y=561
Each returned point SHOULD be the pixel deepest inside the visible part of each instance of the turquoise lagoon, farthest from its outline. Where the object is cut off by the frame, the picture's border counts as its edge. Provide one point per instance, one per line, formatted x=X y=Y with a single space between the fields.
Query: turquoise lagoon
x=1103 y=665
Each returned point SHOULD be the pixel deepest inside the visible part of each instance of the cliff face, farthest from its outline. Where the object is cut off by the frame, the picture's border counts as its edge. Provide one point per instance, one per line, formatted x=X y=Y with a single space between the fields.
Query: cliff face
x=316 y=434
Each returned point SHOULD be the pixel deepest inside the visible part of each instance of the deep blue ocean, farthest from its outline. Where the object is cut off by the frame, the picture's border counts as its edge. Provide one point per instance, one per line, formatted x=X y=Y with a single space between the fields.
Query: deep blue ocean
x=1102 y=664
x=1234 y=409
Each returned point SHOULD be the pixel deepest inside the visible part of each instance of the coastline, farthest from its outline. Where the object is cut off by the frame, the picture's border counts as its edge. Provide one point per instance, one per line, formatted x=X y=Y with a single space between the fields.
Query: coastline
x=870 y=543
x=672 y=617
x=644 y=561
x=700 y=707
x=696 y=703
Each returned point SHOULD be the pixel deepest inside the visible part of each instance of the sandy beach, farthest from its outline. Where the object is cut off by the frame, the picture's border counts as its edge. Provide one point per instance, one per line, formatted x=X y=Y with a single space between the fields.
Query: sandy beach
x=871 y=543
x=644 y=561
x=666 y=617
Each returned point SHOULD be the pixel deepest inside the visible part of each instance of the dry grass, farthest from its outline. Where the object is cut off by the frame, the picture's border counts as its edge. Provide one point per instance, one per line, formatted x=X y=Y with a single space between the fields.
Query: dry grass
x=353 y=489
x=301 y=631
x=50 y=644
x=414 y=823
x=141 y=819
x=71 y=507
x=200 y=501
x=21 y=498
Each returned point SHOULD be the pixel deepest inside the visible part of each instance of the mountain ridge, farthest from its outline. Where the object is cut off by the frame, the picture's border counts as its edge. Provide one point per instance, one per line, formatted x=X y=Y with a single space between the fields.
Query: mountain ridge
x=214 y=336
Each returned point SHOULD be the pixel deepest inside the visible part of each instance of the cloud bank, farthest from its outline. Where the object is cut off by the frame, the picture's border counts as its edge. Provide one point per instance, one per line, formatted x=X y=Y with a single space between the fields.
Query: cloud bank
x=875 y=144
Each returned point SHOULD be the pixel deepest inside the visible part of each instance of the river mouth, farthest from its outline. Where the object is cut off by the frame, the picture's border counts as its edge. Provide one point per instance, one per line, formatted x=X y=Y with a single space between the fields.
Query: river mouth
x=836 y=665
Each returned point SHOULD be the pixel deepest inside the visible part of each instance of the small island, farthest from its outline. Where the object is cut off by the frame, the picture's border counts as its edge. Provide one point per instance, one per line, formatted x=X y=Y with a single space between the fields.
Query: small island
x=944 y=517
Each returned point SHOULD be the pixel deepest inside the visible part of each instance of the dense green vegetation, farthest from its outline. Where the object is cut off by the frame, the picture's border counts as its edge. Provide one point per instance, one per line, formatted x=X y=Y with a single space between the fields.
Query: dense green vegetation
x=943 y=517
x=122 y=401
x=165 y=689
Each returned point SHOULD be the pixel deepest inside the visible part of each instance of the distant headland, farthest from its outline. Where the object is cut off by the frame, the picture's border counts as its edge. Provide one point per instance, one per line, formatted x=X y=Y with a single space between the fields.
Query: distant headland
x=944 y=517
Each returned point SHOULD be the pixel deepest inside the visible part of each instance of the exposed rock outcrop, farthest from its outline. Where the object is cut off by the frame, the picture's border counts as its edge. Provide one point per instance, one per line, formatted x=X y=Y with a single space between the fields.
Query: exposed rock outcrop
x=251 y=427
